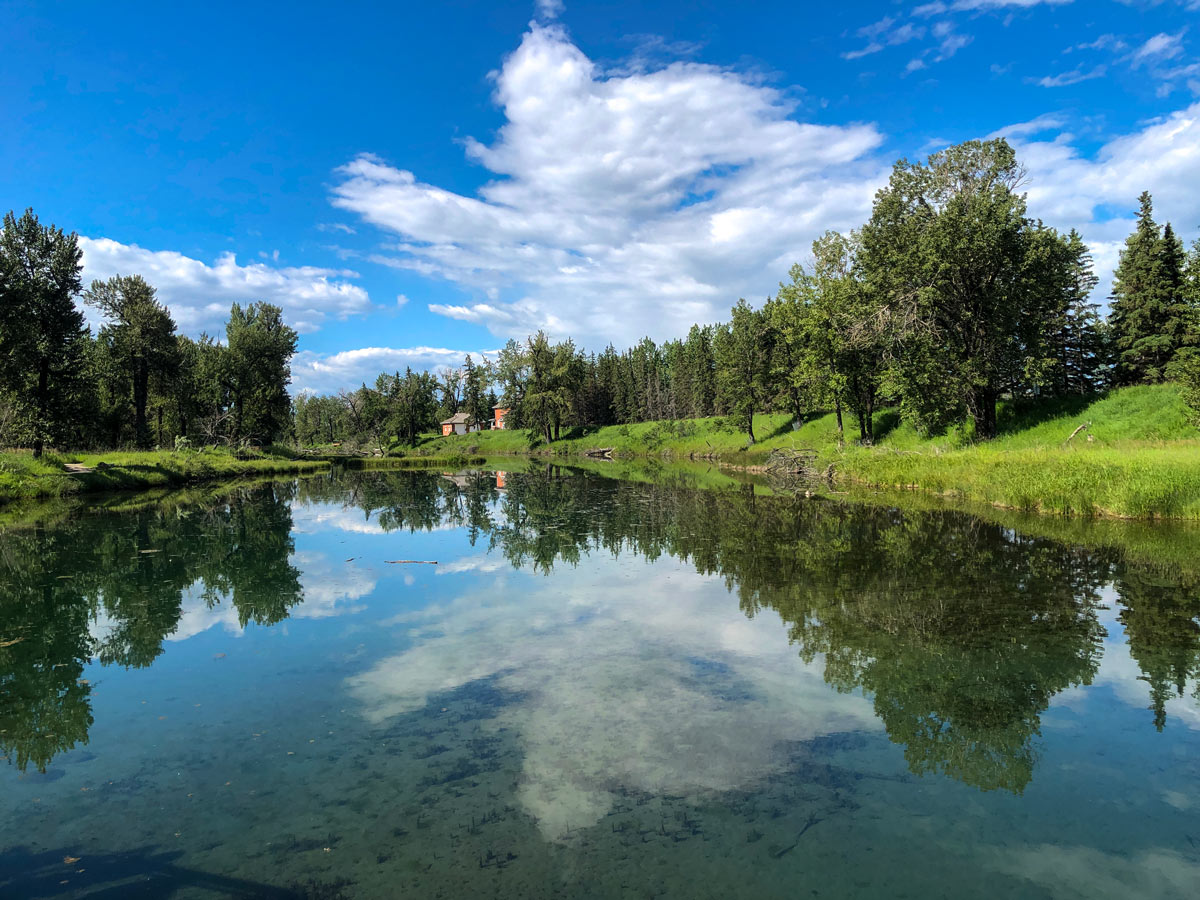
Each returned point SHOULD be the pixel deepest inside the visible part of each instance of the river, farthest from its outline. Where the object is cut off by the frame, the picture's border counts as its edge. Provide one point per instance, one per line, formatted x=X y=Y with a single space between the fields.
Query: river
x=554 y=683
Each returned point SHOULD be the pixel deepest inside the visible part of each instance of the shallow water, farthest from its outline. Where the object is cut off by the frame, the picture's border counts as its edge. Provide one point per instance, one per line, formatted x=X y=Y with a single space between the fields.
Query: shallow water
x=601 y=688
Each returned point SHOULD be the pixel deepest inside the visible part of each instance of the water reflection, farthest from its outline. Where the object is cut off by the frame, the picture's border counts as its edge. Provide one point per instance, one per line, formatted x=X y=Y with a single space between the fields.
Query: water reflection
x=112 y=587
x=951 y=633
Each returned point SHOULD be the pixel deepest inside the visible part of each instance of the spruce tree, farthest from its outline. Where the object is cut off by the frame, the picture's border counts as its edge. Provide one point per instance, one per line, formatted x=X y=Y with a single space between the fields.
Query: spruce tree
x=1151 y=319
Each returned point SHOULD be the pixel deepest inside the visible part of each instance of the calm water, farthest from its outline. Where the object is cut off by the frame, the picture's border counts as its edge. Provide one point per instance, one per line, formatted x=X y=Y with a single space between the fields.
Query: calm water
x=602 y=689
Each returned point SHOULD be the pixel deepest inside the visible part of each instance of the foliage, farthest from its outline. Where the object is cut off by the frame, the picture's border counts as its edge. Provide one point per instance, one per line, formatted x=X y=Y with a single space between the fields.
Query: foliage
x=1155 y=314
x=140 y=338
x=43 y=340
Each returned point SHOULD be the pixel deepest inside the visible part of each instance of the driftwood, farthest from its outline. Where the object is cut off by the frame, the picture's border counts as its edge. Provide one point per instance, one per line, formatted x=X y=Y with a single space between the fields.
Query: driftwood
x=412 y=562
x=599 y=453
x=792 y=462
x=1083 y=427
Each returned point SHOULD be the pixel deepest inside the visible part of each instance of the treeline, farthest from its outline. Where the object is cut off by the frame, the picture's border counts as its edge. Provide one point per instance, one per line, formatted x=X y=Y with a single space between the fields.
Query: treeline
x=947 y=299
x=136 y=383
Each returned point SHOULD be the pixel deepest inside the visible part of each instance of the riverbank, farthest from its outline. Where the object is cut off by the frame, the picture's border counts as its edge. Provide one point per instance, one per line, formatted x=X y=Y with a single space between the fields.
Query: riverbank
x=64 y=474
x=1129 y=454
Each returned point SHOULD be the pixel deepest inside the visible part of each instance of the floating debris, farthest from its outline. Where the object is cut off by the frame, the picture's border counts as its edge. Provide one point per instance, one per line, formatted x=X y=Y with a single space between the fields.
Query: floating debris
x=412 y=562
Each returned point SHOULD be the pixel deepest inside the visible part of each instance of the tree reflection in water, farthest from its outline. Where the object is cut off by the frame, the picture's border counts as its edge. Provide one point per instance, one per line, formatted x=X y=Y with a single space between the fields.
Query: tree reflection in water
x=132 y=569
x=961 y=631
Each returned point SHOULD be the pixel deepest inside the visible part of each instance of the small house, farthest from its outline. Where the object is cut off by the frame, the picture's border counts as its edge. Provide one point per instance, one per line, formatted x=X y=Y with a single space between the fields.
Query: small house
x=459 y=423
x=498 y=414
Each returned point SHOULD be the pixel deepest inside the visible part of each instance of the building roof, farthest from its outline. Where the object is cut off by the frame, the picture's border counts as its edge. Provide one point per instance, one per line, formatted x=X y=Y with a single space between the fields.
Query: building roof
x=499 y=406
x=457 y=419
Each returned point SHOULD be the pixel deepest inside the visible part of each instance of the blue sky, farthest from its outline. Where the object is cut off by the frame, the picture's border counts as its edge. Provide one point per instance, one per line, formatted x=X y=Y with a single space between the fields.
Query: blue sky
x=414 y=181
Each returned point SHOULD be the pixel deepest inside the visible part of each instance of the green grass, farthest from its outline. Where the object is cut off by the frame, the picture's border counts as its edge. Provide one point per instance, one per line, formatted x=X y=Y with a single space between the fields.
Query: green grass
x=1143 y=459
x=22 y=477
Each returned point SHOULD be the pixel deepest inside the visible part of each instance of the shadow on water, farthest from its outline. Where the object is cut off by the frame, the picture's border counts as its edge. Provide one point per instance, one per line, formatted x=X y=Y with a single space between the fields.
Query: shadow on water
x=146 y=873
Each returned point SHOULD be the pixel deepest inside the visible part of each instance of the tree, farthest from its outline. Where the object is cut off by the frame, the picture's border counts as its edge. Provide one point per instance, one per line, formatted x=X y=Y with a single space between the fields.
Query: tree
x=1077 y=336
x=946 y=253
x=142 y=336
x=742 y=349
x=43 y=339
x=411 y=403
x=1151 y=318
x=475 y=400
x=829 y=347
x=257 y=371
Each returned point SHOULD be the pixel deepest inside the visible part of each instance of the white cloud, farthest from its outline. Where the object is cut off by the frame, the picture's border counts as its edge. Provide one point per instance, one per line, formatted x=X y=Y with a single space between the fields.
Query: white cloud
x=1075 y=76
x=199 y=295
x=328 y=373
x=1068 y=190
x=1157 y=49
x=549 y=9
x=1104 y=42
x=623 y=203
x=938 y=8
x=881 y=34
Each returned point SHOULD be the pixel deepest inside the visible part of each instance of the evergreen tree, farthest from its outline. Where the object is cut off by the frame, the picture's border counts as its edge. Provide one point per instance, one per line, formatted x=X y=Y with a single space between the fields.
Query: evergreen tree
x=1078 y=340
x=43 y=340
x=475 y=399
x=1151 y=319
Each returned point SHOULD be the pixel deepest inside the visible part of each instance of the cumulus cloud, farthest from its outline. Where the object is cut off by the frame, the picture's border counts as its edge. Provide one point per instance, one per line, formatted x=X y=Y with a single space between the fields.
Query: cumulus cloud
x=639 y=202
x=328 y=373
x=1067 y=189
x=624 y=202
x=199 y=295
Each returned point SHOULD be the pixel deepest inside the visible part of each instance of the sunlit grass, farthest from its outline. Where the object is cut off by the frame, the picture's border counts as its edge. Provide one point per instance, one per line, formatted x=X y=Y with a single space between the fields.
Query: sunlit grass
x=23 y=477
x=1137 y=457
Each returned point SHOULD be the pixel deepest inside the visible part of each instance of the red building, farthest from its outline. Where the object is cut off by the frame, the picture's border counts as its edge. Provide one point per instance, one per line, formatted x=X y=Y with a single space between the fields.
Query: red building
x=498 y=414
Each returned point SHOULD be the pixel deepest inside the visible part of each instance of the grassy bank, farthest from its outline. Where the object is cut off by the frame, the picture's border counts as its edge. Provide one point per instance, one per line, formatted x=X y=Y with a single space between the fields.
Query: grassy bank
x=1137 y=457
x=63 y=474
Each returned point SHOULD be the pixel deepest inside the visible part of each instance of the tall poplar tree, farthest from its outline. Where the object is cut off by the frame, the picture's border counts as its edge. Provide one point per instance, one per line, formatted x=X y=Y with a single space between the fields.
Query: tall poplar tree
x=43 y=339
x=142 y=335
x=743 y=351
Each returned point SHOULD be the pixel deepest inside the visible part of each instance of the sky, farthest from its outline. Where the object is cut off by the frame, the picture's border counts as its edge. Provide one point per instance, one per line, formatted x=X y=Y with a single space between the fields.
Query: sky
x=413 y=182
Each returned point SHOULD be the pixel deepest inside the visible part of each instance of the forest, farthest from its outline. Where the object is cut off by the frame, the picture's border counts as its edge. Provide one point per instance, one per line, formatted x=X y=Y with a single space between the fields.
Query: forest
x=136 y=383
x=949 y=298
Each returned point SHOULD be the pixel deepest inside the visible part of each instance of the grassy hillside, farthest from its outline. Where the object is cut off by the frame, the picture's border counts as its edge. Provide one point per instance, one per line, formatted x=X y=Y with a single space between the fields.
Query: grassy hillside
x=1142 y=459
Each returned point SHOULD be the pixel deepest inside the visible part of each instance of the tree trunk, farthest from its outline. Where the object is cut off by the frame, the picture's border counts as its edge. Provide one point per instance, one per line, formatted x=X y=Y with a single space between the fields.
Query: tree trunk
x=141 y=378
x=43 y=388
x=750 y=426
x=837 y=405
x=982 y=404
